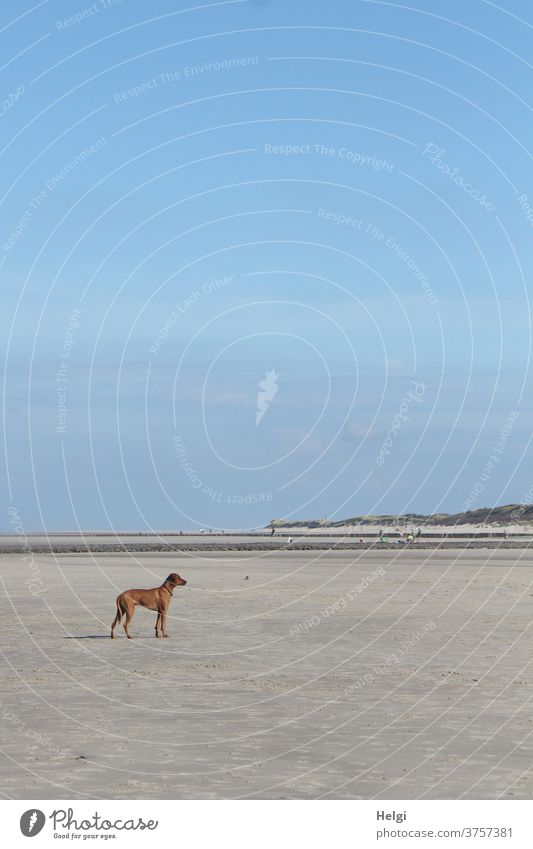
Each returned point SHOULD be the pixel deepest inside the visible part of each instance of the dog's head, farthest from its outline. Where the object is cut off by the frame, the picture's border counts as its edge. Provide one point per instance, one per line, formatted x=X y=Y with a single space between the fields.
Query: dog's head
x=175 y=580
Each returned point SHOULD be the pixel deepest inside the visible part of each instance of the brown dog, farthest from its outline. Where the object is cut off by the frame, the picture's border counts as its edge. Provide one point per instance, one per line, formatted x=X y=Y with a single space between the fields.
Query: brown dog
x=155 y=599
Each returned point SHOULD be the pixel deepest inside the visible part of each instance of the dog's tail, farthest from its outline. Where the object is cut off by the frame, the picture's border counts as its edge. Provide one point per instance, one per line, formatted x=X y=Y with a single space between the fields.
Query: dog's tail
x=118 y=617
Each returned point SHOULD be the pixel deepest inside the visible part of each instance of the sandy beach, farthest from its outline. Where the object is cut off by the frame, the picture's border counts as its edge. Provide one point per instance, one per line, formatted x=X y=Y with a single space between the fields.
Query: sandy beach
x=288 y=674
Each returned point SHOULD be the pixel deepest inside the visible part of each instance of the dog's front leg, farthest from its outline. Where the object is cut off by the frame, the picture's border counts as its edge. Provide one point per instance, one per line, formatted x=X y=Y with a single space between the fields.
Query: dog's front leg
x=158 y=624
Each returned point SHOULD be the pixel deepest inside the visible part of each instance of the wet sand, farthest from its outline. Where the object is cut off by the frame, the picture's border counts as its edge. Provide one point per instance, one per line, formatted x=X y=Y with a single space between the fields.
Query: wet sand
x=327 y=674
x=301 y=540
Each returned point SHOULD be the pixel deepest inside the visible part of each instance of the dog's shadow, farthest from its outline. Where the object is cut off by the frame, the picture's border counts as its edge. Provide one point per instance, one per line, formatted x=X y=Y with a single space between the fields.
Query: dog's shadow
x=89 y=637
x=102 y=637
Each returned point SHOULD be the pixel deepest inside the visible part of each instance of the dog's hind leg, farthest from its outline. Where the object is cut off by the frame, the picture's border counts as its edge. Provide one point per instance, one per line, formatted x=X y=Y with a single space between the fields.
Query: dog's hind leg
x=128 y=609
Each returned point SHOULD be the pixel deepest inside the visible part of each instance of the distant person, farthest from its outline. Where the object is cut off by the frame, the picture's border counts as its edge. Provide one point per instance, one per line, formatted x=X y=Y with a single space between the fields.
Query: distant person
x=272 y=532
x=289 y=540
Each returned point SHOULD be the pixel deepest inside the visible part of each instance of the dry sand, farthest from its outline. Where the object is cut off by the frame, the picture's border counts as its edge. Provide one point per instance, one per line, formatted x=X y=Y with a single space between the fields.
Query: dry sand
x=299 y=682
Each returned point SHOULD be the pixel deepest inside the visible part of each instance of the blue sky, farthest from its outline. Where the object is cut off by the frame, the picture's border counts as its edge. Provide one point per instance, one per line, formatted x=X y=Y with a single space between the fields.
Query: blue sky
x=194 y=196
